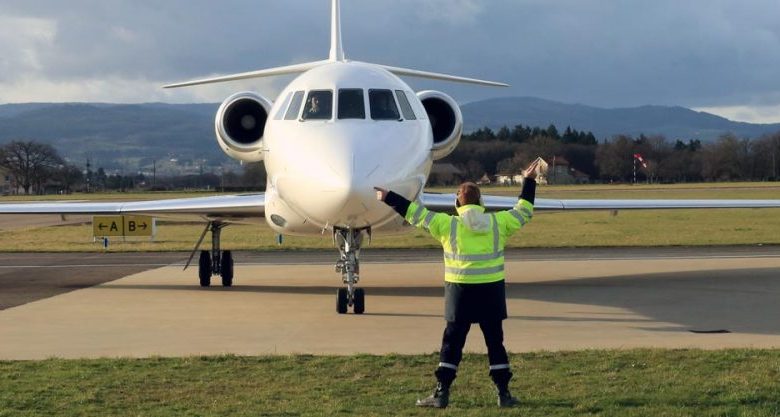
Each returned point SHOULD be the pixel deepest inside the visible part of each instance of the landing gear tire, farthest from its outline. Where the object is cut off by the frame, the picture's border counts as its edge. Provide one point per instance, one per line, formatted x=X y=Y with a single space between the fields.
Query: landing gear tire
x=227 y=269
x=342 y=300
x=204 y=268
x=359 y=303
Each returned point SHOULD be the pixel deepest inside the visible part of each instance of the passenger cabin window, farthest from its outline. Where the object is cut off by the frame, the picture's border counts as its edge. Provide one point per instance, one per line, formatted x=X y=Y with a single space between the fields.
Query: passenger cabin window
x=406 y=108
x=351 y=104
x=382 y=105
x=319 y=105
x=295 y=106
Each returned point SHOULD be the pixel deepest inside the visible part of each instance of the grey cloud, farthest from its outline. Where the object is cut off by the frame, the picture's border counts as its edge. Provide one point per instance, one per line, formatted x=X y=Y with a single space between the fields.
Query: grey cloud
x=609 y=53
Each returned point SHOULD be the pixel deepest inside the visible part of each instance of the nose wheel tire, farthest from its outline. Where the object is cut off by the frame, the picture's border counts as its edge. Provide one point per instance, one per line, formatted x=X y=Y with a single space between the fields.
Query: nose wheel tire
x=359 y=305
x=343 y=303
x=342 y=300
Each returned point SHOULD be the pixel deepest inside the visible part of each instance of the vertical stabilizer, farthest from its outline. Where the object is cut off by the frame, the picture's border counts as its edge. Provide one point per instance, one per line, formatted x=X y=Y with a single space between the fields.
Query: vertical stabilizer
x=336 y=48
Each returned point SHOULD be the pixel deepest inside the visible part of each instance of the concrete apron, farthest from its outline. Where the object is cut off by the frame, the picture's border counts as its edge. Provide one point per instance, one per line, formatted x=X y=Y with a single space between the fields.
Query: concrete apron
x=289 y=309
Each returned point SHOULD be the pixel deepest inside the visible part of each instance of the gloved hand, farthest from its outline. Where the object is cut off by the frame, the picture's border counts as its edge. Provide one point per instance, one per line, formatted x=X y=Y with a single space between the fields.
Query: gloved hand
x=381 y=193
x=530 y=172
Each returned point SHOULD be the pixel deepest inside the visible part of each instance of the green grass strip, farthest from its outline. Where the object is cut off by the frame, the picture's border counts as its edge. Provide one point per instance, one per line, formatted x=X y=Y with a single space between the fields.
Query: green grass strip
x=586 y=383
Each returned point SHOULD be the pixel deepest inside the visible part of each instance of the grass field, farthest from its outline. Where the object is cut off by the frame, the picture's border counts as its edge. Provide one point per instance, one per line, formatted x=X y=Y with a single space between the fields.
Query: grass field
x=585 y=383
x=589 y=383
x=549 y=229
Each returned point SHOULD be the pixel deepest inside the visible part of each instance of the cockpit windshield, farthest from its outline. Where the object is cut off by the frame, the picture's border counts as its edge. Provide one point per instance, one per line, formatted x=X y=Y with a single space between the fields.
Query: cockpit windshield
x=351 y=104
x=383 y=105
x=319 y=105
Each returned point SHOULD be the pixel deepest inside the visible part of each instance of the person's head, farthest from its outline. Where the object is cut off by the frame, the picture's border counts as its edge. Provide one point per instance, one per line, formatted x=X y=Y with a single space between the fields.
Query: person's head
x=468 y=193
x=315 y=101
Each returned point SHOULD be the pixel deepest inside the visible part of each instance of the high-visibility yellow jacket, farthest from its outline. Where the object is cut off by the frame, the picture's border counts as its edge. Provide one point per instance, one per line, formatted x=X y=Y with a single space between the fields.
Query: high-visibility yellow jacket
x=473 y=241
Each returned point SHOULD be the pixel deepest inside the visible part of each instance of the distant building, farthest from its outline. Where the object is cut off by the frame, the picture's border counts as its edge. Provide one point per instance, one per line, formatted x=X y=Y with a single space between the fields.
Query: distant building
x=558 y=171
x=5 y=182
x=561 y=172
x=506 y=178
x=445 y=174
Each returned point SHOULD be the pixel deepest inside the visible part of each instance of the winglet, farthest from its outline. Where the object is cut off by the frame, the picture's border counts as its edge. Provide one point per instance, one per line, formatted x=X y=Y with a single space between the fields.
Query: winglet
x=336 y=47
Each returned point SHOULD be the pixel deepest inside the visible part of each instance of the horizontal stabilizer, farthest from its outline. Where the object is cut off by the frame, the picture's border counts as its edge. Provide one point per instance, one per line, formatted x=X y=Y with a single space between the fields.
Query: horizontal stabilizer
x=269 y=72
x=438 y=76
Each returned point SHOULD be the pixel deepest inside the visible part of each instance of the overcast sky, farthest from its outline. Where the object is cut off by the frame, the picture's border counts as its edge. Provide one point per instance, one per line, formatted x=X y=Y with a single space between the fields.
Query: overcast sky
x=718 y=55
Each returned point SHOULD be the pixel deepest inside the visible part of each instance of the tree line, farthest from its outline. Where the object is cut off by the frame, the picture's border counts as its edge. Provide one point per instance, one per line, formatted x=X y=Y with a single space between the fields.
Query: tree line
x=37 y=168
x=728 y=158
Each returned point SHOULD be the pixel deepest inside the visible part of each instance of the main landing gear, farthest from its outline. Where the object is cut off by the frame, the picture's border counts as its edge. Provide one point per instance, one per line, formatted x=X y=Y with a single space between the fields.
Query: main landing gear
x=215 y=261
x=348 y=241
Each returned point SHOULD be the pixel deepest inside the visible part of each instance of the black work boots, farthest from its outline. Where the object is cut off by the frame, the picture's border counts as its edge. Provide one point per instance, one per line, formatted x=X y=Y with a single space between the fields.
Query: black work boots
x=501 y=378
x=439 y=399
x=505 y=399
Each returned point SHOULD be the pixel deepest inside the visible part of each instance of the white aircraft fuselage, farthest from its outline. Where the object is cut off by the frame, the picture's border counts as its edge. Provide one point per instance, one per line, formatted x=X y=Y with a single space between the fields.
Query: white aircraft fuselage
x=321 y=172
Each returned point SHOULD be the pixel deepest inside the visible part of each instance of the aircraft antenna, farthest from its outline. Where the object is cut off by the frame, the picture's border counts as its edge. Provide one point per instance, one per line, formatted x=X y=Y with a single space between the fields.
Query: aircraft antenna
x=336 y=47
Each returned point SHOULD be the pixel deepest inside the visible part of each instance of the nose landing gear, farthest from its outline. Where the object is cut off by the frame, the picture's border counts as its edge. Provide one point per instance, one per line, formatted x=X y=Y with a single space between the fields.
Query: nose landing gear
x=348 y=241
x=215 y=261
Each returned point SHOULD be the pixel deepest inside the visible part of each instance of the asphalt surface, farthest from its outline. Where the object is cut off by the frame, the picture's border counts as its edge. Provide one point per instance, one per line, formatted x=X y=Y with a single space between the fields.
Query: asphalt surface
x=283 y=302
x=27 y=277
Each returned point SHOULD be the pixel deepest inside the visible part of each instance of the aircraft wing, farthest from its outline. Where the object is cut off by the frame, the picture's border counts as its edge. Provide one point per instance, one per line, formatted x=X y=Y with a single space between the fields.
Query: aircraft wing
x=245 y=208
x=446 y=202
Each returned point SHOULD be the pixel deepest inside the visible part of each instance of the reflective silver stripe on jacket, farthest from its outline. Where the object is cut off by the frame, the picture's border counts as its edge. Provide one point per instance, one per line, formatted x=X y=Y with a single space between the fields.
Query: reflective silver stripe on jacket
x=495 y=233
x=427 y=220
x=480 y=257
x=417 y=214
x=454 y=235
x=473 y=271
x=527 y=212
x=497 y=367
x=518 y=216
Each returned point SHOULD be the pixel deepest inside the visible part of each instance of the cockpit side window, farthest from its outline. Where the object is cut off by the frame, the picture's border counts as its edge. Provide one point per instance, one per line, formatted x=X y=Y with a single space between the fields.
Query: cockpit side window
x=319 y=105
x=351 y=104
x=406 y=108
x=283 y=107
x=383 y=105
x=295 y=106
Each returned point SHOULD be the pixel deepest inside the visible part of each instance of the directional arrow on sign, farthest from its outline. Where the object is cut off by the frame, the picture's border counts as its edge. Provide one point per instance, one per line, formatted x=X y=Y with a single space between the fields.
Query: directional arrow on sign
x=101 y=226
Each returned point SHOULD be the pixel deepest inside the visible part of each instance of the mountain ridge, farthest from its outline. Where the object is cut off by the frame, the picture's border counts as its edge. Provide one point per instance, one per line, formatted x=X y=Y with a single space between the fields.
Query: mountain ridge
x=128 y=136
x=674 y=122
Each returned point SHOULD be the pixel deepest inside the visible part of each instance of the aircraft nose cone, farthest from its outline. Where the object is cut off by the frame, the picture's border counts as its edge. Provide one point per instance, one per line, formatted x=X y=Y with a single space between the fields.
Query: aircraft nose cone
x=347 y=202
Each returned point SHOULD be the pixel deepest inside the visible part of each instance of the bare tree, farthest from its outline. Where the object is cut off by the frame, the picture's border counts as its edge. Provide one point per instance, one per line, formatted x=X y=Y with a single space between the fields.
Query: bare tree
x=615 y=158
x=30 y=163
x=68 y=176
x=725 y=159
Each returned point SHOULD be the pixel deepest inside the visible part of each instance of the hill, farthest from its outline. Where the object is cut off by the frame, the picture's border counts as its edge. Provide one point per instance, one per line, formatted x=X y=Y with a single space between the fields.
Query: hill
x=117 y=136
x=672 y=122
x=131 y=136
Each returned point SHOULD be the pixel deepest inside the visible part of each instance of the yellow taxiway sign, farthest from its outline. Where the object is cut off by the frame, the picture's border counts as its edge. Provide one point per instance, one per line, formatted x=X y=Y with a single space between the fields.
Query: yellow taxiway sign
x=108 y=226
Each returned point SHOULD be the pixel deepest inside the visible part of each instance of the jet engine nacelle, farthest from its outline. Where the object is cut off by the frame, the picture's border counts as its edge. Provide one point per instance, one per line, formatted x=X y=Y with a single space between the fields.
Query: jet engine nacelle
x=446 y=121
x=240 y=125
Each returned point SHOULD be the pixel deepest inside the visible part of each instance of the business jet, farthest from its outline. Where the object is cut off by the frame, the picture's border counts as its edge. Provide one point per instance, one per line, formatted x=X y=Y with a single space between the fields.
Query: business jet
x=336 y=131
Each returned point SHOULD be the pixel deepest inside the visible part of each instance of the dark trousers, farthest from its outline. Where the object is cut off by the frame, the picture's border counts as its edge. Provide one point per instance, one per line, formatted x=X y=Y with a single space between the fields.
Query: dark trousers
x=452 y=347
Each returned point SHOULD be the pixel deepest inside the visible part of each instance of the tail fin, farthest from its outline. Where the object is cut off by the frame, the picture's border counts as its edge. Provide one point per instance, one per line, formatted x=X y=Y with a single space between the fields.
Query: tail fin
x=336 y=55
x=336 y=47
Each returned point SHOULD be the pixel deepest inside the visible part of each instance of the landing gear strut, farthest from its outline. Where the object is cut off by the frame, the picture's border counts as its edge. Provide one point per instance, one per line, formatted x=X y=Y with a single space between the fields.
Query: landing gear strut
x=348 y=241
x=214 y=262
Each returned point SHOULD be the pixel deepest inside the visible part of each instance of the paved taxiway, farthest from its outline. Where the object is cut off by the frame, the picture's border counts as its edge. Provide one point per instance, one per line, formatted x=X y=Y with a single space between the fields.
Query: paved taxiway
x=98 y=305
